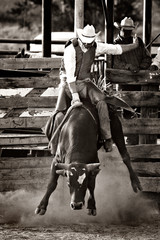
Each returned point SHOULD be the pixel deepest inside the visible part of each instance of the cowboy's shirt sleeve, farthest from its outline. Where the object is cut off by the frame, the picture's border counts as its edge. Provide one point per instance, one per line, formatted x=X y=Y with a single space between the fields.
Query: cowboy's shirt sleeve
x=105 y=48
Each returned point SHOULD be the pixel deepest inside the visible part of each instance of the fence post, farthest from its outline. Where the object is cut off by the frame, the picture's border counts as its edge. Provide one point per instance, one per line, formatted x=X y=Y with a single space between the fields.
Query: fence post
x=149 y=113
x=28 y=46
x=78 y=14
x=46 y=28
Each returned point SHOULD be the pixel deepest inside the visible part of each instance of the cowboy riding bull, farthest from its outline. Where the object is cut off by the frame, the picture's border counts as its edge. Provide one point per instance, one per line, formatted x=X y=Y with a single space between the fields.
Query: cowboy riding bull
x=75 y=137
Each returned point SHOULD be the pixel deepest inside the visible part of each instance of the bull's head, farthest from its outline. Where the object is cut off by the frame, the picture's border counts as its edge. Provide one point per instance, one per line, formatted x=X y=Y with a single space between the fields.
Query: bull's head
x=77 y=178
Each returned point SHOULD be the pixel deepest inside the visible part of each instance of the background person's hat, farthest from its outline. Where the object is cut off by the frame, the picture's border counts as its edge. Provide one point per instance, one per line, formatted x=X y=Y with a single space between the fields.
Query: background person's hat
x=126 y=23
x=87 y=34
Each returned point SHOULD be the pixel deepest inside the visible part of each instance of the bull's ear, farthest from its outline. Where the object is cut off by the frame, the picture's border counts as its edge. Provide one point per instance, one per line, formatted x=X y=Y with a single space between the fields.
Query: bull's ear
x=61 y=172
x=92 y=166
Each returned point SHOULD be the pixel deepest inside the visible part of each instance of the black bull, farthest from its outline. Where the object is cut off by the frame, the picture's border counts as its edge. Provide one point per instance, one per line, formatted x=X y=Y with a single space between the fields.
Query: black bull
x=77 y=149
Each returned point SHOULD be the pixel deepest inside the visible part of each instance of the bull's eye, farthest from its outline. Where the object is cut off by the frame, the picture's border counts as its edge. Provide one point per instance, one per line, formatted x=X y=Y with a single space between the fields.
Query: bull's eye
x=70 y=173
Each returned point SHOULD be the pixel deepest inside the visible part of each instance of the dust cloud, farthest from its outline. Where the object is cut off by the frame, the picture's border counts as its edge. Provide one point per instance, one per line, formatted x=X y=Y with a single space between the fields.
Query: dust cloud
x=115 y=200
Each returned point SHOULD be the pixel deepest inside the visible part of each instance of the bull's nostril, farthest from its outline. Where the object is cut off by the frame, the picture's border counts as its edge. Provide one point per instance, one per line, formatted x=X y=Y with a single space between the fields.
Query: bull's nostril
x=76 y=206
x=72 y=206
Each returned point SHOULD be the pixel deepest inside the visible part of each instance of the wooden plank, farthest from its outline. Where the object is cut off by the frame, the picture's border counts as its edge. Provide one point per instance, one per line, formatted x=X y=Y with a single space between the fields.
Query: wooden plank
x=24 y=174
x=11 y=185
x=141 y=98
x=22 y=73
x=30 y=63
x=141 y=126
x=21 y=139
x=143 y=77
x=147 y=168
x=14 y=112
x=148 y=113
x=150 y=184
x=28 y=102
x=137 y=99
x=36 y=92
x=23 y=122
x=41 y=82
x=51 y=80
x=144 y=151
x=29 y=162
x=38 y=147
x=17 y=112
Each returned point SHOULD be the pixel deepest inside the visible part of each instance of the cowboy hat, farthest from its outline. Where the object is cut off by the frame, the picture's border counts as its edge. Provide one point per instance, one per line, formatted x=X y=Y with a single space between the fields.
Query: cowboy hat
x=126 y=23
x=87 y=34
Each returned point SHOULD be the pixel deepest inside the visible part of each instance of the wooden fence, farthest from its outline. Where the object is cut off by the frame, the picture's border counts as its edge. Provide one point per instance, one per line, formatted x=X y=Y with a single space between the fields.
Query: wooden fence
x=26 y=43
x=23 y=116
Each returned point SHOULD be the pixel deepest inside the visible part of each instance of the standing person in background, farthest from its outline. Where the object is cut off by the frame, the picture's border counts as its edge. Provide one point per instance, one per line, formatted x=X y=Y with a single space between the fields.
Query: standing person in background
x=134 y=60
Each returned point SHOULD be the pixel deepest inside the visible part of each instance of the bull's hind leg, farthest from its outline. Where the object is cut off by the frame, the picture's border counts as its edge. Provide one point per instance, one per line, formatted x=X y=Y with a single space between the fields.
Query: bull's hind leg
x=91 y=205
x=118 y=138
x=42 y=207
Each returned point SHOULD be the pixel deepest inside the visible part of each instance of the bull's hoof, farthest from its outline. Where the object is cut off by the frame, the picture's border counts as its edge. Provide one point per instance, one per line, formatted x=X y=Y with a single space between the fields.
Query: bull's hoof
x=40 y=211
x=136 y=185
x=92 y=212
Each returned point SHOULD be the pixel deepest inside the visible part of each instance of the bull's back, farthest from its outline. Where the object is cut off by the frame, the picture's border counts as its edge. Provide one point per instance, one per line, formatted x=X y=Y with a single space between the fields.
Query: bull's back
x=79 y=133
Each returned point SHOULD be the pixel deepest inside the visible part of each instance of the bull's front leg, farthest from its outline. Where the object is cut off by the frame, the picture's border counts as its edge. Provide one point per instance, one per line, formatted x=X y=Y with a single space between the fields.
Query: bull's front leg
x=42 y=207
x=91 y=205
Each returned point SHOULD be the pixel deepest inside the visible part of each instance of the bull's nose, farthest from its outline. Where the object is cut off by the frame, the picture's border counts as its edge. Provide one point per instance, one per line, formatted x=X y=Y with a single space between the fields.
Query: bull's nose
x=76 y=206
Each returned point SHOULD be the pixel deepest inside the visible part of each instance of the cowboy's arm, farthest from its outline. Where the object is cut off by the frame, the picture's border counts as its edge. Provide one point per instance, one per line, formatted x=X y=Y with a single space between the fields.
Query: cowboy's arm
x=70 y=66
x=114 y=49
x=129 y=47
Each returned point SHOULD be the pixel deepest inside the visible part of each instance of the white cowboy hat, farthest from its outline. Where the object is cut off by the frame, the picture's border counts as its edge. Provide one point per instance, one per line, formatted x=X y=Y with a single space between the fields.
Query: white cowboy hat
x=87 y=34
x=126 y=23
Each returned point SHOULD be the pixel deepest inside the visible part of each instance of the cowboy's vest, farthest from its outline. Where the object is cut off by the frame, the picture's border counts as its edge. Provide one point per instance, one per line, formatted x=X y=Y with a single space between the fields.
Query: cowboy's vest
x=84 y=60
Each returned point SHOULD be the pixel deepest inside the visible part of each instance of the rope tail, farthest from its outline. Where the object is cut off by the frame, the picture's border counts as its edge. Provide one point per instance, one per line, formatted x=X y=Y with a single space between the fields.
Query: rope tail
x=78 y=104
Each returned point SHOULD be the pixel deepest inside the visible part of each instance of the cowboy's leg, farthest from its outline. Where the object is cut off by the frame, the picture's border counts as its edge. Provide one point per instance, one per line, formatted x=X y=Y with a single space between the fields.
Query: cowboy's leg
x=97 y=99
x=55 y=120
x=54 y=143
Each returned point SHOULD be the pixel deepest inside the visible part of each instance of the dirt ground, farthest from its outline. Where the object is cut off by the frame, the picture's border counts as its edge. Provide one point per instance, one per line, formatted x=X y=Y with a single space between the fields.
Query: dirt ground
x=142 y=231
x=121 y=213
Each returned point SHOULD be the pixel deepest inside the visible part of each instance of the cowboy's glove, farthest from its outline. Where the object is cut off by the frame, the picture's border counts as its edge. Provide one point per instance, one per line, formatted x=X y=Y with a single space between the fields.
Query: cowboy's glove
x=75 y=98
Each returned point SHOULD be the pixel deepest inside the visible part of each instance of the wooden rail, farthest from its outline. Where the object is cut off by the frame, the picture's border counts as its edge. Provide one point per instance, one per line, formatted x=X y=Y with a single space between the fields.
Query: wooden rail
x=28 y=42
x=38 y=42
x=22 y=118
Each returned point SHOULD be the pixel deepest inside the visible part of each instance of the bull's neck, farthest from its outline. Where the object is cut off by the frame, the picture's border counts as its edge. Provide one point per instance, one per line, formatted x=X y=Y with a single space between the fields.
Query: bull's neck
x=80 y=157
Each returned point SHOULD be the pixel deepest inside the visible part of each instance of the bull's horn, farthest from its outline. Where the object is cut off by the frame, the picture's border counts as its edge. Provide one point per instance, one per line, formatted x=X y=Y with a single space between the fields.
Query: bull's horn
x=61 y=172
x=92 y=166
x=62 y=166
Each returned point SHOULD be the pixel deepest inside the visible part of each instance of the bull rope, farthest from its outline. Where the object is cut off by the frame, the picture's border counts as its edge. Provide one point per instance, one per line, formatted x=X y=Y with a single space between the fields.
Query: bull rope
x=75 y=105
